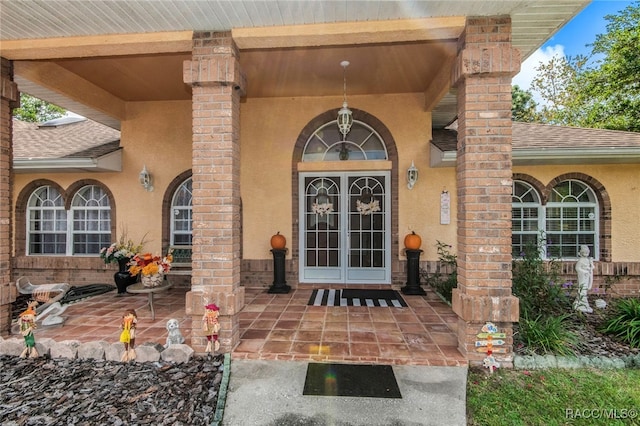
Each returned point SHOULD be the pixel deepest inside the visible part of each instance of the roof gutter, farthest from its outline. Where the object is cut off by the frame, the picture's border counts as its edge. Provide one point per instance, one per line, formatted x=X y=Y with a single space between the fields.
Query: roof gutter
x=111 y=162
x=547 y=156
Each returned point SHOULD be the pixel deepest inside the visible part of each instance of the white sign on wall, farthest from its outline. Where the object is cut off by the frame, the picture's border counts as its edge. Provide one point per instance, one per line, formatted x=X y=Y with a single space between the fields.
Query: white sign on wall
x=445 y=208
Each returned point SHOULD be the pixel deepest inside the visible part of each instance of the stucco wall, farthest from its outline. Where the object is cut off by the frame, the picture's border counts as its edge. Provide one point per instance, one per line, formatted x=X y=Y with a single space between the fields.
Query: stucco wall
x=269 y=129
x=157 y=134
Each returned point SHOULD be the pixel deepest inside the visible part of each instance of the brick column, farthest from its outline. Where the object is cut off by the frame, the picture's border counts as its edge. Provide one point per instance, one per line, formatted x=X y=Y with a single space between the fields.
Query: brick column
x=217 y=85
x=9 y=99
x=482 y=74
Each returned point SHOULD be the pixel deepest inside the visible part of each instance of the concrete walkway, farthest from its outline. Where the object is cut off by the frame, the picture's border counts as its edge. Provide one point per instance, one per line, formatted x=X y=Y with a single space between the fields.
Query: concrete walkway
x=270 y=393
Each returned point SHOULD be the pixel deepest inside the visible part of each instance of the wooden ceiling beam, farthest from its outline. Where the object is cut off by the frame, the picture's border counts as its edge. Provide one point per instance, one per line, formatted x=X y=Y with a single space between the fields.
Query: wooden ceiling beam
x=96 y=46
x=349 y=33
x=60 y=80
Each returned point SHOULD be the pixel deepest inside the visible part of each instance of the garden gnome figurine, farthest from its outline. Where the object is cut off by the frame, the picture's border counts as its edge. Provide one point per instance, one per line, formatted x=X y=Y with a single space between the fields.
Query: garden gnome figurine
x=128 y=335
x=27 y=323
x=584 y=269
x=211 y=326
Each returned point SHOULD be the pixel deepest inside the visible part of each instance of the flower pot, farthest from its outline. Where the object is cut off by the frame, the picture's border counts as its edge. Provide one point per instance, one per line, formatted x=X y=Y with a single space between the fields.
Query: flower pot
x=123 y=278
x=152 y=280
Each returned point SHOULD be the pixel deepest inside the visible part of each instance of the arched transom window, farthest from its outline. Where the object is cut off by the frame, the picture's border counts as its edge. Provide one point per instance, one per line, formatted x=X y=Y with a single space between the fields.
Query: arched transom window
x=327 y=144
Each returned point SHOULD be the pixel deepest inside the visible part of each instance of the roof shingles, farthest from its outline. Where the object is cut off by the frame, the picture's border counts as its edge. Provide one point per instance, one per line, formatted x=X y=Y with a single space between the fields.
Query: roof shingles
x=80 y=139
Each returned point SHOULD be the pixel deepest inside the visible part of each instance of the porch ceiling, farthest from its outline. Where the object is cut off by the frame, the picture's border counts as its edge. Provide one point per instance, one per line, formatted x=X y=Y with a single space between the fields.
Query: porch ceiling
x=107 y=53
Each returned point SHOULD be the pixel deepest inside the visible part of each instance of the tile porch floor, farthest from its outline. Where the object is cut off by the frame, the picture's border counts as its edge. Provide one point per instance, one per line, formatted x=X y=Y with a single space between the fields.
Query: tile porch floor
x=282 y=326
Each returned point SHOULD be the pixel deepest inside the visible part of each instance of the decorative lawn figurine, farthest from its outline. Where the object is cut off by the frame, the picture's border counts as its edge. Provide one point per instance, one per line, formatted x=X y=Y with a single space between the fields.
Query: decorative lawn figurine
x=175 y=337
x=211 y=326
x=128 y=335
x=584 y=269
x=27 y=323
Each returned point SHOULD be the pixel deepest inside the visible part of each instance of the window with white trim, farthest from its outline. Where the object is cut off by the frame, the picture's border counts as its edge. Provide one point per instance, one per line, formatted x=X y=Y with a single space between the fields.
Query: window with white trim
x=91 y=214
x=52 y=230
x=571 y=220
x=526 y=217
x=181 y=219
x=46 y=222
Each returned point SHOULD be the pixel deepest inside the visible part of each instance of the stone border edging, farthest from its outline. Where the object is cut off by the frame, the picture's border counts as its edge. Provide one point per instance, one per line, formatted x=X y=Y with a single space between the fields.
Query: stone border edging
x=99 y=350
x=533 y=362
x=222 y=392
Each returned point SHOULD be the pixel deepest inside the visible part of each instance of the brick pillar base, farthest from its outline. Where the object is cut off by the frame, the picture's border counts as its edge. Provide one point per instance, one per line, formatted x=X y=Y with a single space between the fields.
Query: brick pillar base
x=230 y=305
x=474 y=312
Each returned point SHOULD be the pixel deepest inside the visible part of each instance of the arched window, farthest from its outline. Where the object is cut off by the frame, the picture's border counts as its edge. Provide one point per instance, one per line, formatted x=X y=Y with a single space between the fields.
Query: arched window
x=91 y=216
x=327 y=144
x=84 y=230
x=181 y=217
x=571 y=220
x=46 y=222
x=526 y=217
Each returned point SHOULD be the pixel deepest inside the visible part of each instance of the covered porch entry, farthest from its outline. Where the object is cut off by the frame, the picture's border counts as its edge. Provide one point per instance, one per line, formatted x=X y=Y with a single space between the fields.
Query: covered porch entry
x=284 y=327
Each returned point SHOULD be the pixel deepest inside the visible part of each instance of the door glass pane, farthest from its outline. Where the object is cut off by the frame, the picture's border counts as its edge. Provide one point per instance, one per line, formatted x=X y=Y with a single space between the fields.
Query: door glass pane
x=367 y=221
x=322 y=203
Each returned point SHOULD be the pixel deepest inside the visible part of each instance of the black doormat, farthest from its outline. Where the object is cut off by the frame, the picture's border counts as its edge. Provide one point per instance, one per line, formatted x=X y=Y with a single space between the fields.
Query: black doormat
x=356 y=297
x=372 y=381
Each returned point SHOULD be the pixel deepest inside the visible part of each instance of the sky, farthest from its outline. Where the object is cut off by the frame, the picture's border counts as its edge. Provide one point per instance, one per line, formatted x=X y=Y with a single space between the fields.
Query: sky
x=572 y=39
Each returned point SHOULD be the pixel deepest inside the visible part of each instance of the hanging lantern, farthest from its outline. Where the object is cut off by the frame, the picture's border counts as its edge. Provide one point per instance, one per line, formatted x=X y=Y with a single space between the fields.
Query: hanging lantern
x=345 y=118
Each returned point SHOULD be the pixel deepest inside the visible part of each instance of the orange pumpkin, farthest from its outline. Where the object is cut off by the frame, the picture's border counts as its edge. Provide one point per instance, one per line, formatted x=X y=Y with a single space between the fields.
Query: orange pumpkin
x=278 y=242
x=412 y=241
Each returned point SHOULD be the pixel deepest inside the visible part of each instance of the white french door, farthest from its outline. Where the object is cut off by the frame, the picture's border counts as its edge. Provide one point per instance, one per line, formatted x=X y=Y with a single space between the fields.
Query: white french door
x=345 y=222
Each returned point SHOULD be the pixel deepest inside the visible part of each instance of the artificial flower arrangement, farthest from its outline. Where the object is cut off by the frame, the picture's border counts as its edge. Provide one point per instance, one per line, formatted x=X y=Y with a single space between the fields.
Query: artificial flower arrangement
x=147 y=264
x=322 y=209
x=366 y=209
x=124 y=249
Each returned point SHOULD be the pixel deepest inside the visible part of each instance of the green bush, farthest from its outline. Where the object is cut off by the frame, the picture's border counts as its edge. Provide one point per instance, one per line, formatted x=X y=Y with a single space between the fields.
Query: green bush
x=623 y=321
x=445 y=278
x=545 y=325
x=537 y=284
x=548 y=335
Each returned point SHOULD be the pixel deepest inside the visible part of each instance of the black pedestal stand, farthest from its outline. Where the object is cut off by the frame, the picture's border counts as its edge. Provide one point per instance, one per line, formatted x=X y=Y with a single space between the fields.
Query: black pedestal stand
x=279 y=284
x=413 y=274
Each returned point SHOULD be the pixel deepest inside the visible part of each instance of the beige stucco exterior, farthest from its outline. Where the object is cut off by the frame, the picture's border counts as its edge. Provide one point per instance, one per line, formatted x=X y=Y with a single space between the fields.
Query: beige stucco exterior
x=158 y=135
x=269 y=129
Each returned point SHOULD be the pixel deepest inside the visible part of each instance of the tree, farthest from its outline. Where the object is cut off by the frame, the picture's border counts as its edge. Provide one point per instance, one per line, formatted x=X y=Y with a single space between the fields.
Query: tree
x=557 y=85
x=36 y=110
x=523 y=107
x=612 y=88
x=601 y=90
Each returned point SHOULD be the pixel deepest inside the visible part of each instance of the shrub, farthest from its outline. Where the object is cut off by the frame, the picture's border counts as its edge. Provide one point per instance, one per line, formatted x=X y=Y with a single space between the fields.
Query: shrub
x=445 y=278
x=537 y=284
x=548 y=335
x=544 y=325
x=623 y=321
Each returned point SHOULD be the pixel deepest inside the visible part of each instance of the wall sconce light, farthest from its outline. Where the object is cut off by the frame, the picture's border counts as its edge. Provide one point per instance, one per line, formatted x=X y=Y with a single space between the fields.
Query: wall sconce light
x=412 y=175
x=145 y=179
